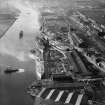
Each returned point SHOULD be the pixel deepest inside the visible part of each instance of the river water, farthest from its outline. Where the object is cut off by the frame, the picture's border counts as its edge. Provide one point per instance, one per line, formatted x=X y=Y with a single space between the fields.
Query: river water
x=13 y=87
x=16 y=53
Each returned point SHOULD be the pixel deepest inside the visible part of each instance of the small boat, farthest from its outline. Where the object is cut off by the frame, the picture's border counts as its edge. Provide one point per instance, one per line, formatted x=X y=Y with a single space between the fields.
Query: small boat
x=21 y=34
x=11 y=70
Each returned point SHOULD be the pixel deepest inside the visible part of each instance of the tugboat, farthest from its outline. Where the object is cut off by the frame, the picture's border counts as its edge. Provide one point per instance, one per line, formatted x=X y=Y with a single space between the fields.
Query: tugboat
x=10 y=70
x=21 y=34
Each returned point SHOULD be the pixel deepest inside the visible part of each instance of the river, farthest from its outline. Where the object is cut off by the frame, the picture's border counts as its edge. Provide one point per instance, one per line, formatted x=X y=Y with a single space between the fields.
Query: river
x=16 y=53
